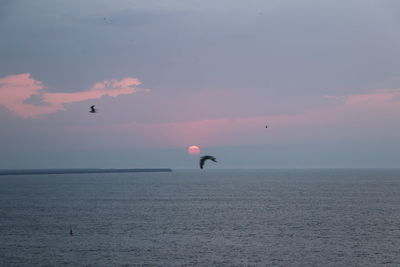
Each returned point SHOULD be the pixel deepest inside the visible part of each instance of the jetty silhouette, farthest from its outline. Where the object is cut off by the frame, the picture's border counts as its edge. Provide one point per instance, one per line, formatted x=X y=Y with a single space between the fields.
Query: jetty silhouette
x=70 y=171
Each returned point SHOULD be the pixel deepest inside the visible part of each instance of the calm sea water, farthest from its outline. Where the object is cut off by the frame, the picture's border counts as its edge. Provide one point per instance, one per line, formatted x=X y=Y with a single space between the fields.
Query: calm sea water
x=203 y=218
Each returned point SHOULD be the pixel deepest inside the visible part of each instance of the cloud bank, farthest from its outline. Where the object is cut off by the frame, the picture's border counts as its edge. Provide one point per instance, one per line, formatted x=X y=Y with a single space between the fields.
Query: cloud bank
x=27 y=97
x=370 y=116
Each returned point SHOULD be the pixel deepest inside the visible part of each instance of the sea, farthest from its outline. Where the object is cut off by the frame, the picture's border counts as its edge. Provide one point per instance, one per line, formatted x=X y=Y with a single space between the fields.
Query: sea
x=266 y=217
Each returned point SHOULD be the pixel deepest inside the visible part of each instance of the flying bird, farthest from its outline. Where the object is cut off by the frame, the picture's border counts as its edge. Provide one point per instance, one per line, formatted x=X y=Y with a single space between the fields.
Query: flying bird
x=92 y=109
x=204 y=158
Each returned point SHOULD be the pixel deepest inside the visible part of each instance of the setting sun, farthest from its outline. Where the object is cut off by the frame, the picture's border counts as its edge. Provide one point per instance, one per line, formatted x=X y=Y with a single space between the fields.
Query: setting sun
x=193 y=150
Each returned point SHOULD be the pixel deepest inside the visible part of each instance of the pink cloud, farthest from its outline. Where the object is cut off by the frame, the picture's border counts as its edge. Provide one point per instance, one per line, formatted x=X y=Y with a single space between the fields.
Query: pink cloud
x=15 y=90
x=351 y=119
x=205 y=133
x=112 y=87
x=376 y=98
x=348 y=117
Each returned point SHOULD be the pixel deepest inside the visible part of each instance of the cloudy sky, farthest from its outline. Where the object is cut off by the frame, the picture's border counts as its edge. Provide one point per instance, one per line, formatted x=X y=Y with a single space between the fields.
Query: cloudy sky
x=164 y=75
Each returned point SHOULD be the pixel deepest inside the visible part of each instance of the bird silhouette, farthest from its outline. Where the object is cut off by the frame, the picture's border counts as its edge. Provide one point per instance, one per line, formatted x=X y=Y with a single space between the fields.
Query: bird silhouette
x=92 y=109
x=204 y=158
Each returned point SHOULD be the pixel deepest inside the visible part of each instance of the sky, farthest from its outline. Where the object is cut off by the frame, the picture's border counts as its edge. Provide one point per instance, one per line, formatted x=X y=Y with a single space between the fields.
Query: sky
x=165 y=75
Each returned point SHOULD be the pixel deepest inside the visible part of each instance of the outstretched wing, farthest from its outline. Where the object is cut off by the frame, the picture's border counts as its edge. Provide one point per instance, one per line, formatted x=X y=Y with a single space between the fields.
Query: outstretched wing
x=204 y=158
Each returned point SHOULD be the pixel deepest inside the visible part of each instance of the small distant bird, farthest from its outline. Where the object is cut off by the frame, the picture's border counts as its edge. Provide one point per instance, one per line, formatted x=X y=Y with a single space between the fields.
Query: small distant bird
x=266 y=126
x=70 y=230
x=92 y=109
x=204 y=158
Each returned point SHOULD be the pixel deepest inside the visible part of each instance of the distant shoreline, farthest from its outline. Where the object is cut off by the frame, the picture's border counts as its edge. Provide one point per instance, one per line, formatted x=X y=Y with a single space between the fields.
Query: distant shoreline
x=71 y=171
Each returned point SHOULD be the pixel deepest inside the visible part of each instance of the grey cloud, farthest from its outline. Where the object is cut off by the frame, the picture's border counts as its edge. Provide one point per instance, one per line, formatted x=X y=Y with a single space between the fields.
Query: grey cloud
x=298 y=47
x=132 y=19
